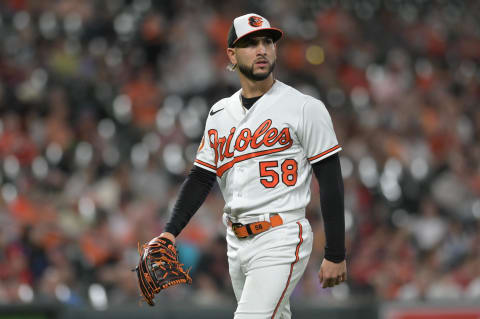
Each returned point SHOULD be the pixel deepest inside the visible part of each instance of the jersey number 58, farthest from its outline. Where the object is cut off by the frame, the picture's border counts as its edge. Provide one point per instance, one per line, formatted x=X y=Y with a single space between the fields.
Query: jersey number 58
x=269 y=176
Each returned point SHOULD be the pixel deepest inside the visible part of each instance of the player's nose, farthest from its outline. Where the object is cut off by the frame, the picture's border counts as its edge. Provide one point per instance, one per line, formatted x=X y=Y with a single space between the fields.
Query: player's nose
x=261 y=48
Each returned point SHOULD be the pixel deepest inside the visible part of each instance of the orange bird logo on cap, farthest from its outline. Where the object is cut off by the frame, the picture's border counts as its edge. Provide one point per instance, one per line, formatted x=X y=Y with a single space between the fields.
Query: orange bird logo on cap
x=255 y=21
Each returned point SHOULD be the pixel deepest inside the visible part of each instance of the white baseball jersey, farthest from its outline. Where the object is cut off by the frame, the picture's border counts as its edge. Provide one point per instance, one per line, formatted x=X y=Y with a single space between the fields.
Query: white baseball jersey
x=263 y=156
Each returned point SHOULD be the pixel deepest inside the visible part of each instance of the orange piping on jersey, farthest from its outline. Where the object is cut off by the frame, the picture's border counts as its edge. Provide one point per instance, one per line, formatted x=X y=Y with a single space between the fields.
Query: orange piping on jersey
x=324 y=153
x=202 y=143
x=225 y=167
x=291 y=268
x=205 y=164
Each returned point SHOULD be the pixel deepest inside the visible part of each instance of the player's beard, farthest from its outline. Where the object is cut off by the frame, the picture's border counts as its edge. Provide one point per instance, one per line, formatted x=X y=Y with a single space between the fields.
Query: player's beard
x=248 y=71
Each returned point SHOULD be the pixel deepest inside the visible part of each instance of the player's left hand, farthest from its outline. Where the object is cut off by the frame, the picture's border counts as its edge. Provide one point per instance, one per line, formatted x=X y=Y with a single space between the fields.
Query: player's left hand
x=332 y=274
x=159 y=267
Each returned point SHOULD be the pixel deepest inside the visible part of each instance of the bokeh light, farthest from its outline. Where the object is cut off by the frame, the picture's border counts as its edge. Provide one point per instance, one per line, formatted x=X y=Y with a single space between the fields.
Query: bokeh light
x=315 y=55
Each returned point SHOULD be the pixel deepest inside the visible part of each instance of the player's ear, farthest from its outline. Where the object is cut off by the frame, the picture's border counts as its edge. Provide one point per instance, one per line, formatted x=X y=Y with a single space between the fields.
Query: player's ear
x=231 y=55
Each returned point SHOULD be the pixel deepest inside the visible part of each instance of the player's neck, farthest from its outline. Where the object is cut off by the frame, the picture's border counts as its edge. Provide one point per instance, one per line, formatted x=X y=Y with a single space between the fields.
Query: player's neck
x=255 y=88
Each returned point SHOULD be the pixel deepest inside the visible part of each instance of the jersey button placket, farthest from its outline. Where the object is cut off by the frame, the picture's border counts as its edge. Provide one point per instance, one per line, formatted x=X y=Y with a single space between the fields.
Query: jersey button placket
x=239 y=175
x=235 y=182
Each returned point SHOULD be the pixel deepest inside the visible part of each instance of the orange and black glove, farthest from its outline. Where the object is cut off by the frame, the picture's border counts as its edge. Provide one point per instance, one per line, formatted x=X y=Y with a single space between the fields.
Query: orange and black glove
x=159 y=268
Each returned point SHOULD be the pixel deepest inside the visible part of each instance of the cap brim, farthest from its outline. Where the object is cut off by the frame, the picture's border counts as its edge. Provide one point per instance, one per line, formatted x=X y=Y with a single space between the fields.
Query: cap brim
x=275 y=33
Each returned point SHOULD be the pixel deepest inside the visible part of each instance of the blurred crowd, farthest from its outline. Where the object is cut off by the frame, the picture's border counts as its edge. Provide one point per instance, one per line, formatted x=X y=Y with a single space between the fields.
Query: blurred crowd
x=102 y=107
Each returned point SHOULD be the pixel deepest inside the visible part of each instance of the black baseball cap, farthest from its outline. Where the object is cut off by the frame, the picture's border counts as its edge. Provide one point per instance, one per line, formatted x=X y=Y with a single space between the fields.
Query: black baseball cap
x=248 y=24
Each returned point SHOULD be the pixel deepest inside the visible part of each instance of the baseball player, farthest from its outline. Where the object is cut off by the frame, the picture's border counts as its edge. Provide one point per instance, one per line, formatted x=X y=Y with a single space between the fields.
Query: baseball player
x=261 y=144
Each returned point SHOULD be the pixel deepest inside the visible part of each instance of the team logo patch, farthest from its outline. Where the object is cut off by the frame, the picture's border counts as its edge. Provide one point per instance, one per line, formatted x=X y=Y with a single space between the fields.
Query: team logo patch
x=255 y=21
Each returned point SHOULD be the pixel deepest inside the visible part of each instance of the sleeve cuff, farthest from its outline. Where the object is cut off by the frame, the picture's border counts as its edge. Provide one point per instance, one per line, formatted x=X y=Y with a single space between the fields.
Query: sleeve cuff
x=325 y=154
x=205 y=165
x=335 y=257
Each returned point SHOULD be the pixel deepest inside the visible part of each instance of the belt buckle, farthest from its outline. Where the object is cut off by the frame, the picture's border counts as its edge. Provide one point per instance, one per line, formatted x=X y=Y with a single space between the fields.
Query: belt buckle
x=236 y=225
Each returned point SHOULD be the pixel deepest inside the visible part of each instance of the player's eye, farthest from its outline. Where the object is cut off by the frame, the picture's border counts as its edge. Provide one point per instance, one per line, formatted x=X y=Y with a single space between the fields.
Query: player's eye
x=244 y=43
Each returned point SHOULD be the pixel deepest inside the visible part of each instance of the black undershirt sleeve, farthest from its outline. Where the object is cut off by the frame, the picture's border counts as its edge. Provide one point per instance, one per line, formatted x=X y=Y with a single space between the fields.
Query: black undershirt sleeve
x=329 y=176
x=193 y=193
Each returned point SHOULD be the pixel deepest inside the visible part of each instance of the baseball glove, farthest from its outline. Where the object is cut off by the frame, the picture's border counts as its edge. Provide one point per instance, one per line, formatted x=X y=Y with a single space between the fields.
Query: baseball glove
x=159 y=268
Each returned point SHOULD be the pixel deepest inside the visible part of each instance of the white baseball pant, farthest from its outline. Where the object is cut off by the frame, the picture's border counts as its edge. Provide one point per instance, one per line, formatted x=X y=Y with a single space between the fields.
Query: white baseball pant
x=265 y=268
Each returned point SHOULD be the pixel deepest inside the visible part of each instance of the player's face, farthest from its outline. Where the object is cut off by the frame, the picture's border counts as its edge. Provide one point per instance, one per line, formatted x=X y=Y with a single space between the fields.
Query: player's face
x=256 y=57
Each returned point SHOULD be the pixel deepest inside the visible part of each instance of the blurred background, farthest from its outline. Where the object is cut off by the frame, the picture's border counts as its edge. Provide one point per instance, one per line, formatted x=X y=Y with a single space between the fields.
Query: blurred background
x=103 y=104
